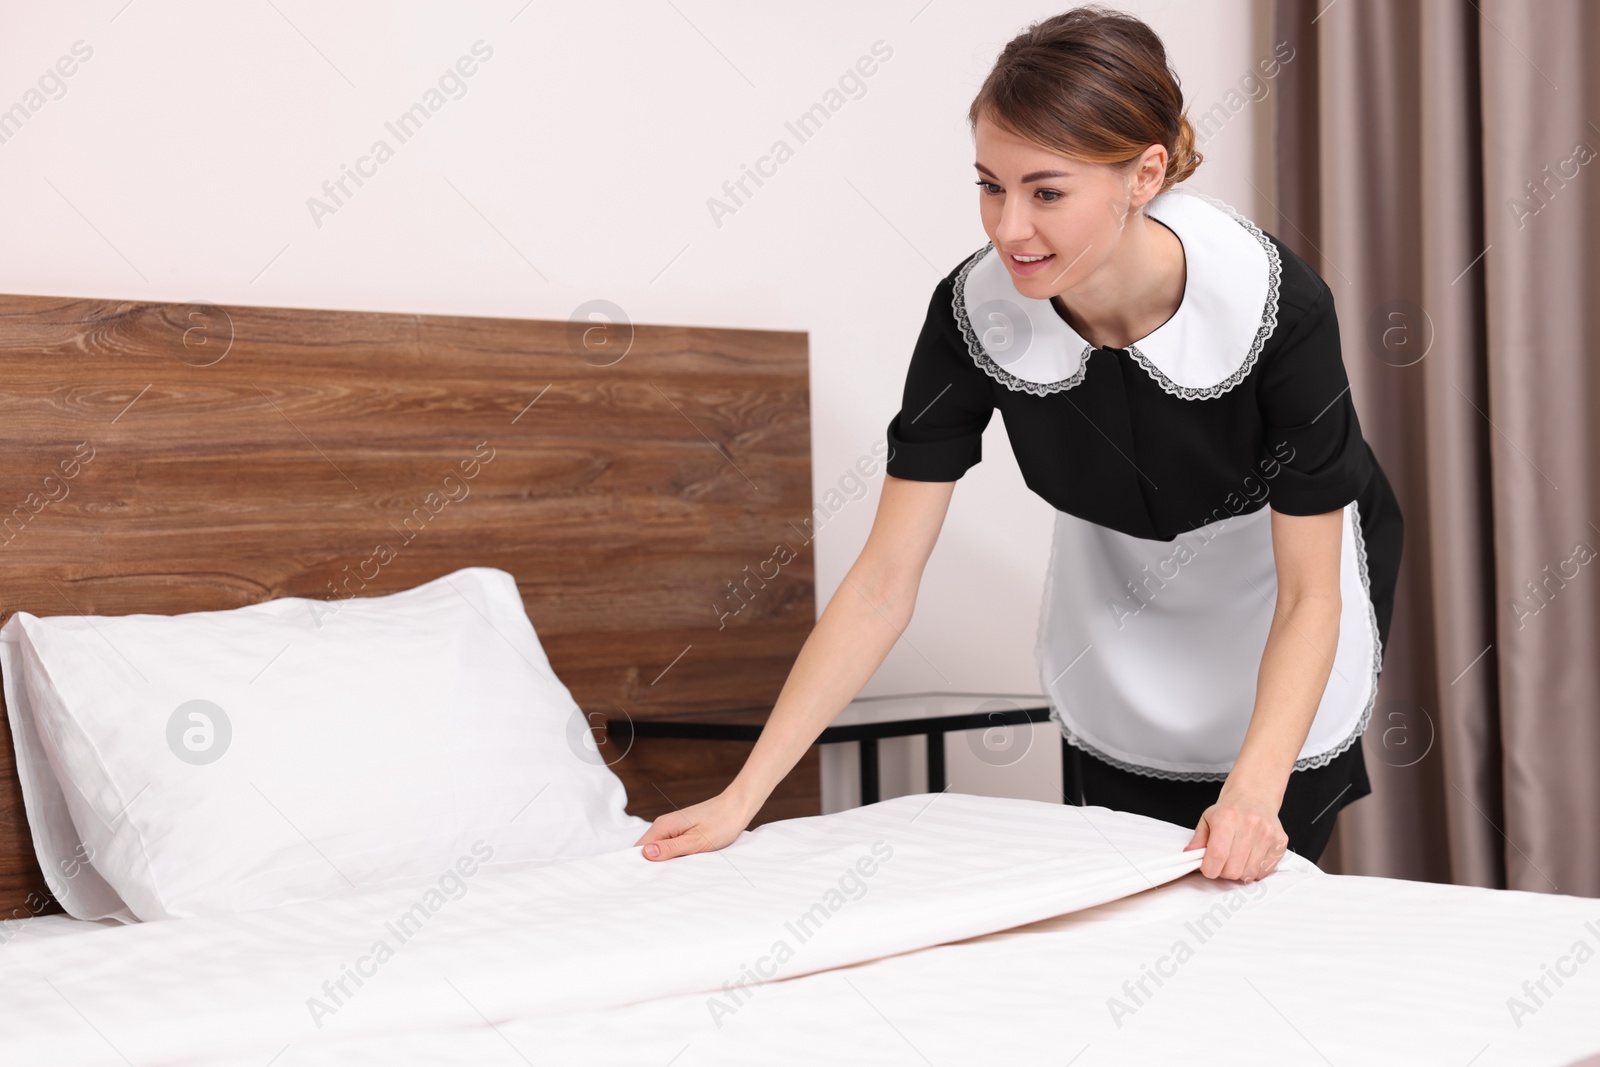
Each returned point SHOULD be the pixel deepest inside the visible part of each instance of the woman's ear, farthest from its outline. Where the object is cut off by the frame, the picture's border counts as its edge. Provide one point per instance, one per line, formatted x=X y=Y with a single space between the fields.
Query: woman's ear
x=1149 y=174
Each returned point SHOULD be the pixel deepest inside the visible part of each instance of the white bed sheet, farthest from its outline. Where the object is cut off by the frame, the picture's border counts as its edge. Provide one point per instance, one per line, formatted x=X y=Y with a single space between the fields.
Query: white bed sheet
x=538 y=940
x=611 y=959
x=50 y=926
x=1323 y=970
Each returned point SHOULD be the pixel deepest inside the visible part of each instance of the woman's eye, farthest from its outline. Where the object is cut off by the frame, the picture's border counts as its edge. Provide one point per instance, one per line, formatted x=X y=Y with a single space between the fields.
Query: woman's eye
x=1049 y=196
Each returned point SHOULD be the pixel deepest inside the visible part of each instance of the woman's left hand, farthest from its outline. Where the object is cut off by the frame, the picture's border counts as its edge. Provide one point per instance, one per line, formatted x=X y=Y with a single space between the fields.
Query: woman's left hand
x=1242 y=837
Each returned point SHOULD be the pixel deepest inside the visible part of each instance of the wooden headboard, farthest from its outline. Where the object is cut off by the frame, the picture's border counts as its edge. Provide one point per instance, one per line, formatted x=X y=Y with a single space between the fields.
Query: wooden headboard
x=165 y=458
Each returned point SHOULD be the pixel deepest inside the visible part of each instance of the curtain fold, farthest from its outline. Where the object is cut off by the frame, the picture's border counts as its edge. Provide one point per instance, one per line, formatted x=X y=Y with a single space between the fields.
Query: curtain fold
x=1435 y=162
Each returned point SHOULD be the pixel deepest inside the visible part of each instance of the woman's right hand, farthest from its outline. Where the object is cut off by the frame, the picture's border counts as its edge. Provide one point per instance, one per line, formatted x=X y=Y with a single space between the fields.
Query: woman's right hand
x=703 y=827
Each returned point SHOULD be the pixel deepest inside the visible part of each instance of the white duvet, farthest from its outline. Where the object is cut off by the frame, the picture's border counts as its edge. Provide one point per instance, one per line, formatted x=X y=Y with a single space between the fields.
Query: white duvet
x=857 y=937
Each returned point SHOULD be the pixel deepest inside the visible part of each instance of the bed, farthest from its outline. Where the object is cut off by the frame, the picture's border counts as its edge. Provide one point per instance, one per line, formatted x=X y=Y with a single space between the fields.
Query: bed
x=246 y=455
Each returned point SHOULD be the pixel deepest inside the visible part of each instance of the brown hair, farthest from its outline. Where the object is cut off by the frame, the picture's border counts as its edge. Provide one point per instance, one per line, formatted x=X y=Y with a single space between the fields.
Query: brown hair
x=1093 y=85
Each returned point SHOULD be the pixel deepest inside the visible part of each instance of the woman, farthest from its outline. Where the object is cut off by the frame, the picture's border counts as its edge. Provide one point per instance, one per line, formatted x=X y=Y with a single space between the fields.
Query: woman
x=1226 y=545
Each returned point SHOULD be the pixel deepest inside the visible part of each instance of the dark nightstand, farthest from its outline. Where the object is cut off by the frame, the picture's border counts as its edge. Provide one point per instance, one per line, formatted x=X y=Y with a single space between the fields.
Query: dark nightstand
x=865 y=720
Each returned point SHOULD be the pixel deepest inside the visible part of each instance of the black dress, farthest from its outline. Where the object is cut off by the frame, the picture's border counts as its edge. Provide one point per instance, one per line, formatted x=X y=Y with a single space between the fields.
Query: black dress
x=1163 y=461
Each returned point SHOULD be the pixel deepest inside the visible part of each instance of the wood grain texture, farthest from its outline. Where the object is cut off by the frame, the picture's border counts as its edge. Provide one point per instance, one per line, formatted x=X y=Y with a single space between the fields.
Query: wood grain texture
x=638 y=482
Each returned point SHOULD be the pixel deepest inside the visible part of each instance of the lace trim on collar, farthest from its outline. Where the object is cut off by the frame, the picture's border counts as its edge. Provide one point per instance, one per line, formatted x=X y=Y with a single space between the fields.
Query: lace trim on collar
x=1269 y=319
x=980 y=354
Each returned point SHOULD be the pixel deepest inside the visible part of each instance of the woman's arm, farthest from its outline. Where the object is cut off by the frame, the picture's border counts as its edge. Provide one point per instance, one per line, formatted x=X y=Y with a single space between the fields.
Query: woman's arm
x=862 y=621
x=1241 y=832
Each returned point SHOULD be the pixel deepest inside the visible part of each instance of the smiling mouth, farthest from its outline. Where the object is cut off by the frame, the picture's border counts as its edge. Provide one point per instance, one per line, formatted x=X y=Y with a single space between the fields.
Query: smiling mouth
x=1022 y=264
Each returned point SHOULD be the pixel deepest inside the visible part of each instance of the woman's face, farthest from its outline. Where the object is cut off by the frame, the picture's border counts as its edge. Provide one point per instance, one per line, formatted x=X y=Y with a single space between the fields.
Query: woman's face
x=1037 y=203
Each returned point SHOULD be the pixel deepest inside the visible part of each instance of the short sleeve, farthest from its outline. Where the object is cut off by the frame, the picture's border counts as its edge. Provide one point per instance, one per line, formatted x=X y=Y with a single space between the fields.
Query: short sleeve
x=1310 y=419
x=938 y=433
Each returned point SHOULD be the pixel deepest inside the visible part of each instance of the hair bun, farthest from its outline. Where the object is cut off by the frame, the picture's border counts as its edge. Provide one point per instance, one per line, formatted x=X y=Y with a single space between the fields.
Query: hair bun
x=1185 y=160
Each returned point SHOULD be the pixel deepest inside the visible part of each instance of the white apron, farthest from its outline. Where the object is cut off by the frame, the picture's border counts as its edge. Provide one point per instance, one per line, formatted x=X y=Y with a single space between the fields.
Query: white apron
x=1149 y=650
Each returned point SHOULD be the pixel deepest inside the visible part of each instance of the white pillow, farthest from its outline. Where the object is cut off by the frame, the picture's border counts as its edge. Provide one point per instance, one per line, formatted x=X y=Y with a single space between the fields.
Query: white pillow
x=72 y=879
x=297 y=749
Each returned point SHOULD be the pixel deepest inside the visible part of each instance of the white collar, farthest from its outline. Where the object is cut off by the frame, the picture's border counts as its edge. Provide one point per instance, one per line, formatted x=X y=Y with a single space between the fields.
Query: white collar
x=1229 y=309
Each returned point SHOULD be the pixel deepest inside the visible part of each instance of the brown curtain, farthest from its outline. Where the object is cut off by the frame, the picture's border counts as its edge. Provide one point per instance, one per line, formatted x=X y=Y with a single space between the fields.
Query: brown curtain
x=1438 y=162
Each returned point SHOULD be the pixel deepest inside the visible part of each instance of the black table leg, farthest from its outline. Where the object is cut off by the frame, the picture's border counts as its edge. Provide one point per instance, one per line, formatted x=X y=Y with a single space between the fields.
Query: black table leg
x=869 y=770
x=1071 y=778
x=936 y=780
